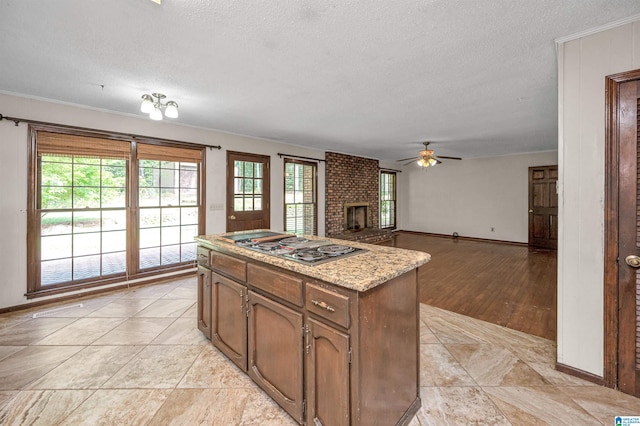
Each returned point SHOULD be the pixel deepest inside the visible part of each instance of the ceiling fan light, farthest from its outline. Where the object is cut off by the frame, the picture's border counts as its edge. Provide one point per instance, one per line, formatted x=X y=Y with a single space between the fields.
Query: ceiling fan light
x=147 y=104
x=156 y=114
x=432 y=161
x=422 y=163
x=171 y=110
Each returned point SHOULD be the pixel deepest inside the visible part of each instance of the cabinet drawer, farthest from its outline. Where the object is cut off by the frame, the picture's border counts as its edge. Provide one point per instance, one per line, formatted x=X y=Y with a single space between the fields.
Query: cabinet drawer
x=328 y=304
x=229 y=265
x=280 y=285
x=203 y=257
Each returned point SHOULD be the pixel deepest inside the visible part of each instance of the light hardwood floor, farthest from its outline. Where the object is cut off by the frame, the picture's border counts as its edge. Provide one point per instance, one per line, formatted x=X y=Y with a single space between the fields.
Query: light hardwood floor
x=505 y=284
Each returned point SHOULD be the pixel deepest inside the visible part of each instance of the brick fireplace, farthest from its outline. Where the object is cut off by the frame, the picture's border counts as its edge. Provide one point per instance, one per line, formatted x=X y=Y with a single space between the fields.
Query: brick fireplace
x=352 y=181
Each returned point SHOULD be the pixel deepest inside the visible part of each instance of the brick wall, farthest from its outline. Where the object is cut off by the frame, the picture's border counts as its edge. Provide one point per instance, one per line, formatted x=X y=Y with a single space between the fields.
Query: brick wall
x=350 y=179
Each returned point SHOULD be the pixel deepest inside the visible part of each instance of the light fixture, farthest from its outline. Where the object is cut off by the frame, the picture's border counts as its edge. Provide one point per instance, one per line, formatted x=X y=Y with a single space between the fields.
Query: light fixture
x=153 y=107
x=427 y=159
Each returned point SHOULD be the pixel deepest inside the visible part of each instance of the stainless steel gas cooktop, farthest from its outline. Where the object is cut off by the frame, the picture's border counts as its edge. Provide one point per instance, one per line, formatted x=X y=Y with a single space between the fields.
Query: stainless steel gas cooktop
x=301 y=250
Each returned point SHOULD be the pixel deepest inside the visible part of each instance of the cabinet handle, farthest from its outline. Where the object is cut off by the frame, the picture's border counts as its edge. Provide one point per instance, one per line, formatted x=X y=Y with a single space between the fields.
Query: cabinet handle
x=306 y=337
x=241 y=301
x=323 y=305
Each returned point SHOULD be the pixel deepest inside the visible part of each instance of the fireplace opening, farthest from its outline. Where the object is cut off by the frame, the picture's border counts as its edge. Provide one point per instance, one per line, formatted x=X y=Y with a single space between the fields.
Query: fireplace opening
x=355 y=216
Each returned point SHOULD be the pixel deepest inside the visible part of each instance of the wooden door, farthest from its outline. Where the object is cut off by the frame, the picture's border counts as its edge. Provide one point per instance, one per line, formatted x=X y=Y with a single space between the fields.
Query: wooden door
x=327 y=377
x=275 y=352
x=204 y=301
x=229 y=323
x=622 y=233
x=247 y=191
x=543 y=207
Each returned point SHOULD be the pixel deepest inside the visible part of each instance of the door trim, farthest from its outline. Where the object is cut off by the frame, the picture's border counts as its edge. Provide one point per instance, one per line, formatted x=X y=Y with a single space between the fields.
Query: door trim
x=266 y=207
x=611 y=225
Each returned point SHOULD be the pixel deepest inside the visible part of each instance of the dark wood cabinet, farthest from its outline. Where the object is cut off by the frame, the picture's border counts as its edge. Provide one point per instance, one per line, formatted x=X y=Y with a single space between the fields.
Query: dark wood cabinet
x=229 y=319
x=327 y=374
x=327 y=354
x=204 y=301
x=275 y=352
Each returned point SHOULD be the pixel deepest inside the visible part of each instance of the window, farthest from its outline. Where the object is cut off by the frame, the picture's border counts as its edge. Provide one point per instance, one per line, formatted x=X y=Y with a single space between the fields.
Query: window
x=91 y=223
x=168 y=194
x=247 y=184
x=387 y=199
x=300 y=200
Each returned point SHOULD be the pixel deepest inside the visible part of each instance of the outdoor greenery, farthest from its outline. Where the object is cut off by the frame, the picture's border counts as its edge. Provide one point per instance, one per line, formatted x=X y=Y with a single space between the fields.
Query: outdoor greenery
x=80 y=182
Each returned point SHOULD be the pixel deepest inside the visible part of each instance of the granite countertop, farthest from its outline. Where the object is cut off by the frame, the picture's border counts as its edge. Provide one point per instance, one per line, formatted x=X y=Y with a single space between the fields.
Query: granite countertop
x=359 y=272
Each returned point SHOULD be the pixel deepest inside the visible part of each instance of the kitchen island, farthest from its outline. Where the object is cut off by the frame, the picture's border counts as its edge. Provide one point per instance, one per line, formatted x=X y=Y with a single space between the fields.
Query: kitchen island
x=333 y=343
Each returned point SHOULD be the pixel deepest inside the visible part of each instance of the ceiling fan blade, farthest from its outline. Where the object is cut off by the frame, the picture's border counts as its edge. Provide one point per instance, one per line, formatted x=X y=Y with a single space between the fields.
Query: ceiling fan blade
x=405 y=159
x=449 y=158
x=412 y=161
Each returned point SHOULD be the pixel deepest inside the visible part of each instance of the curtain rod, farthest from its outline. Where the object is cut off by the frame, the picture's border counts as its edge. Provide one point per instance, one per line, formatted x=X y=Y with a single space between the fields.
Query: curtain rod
x=17 y=121
x=389 y=170
x=298 y=156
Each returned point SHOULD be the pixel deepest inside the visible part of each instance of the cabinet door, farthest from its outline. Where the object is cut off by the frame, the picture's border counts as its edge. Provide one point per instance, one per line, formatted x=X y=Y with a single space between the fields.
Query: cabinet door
x=275 y=352
x=204 y=301
x=229 y=323
x=327 y=375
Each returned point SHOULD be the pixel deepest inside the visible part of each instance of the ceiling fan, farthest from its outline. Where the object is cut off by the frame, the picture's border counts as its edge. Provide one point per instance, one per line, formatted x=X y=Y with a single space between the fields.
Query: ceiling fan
x=427 y=157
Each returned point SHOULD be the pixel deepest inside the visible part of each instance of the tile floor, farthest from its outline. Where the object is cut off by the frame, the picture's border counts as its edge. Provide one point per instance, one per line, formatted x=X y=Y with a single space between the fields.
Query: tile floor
x=136 y=357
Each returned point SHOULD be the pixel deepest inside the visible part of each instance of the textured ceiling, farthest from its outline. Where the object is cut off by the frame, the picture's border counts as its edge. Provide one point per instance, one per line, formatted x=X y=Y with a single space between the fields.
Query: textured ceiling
x=370 y=78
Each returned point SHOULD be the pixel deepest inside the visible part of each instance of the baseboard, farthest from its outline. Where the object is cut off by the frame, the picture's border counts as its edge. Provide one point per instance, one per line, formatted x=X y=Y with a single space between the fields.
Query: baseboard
x=581 y=374
x=461 y=237
x=79 y=296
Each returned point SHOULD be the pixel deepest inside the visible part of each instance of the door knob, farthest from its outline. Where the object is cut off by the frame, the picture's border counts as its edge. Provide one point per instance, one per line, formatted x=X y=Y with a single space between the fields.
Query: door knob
x=530 y=210
x=633 y=261
x=232 y=217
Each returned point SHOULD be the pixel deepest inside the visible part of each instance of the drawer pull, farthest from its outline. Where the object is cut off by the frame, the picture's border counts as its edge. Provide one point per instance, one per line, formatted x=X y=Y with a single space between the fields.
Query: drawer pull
x=323 y=305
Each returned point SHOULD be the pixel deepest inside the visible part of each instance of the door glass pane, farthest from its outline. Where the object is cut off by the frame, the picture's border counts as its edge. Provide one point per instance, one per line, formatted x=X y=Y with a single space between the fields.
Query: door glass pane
x=238 y=204
x=248 y=169
x=248 y=203
x=248 y=186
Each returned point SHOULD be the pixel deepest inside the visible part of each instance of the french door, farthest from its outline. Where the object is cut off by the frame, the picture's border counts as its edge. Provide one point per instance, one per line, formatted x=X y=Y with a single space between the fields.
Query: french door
x=248 y=192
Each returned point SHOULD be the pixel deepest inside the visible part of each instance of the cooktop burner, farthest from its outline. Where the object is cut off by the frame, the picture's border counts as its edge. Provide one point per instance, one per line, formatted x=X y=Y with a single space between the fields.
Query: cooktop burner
x=335 y=250
x=308 y=255
x=267 y=246
x=293 y=241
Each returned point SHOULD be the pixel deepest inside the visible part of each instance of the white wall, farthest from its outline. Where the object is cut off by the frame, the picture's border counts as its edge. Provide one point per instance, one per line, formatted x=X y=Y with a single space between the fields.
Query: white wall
x=583 y=64
x=13 y=174
x=470 y=196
